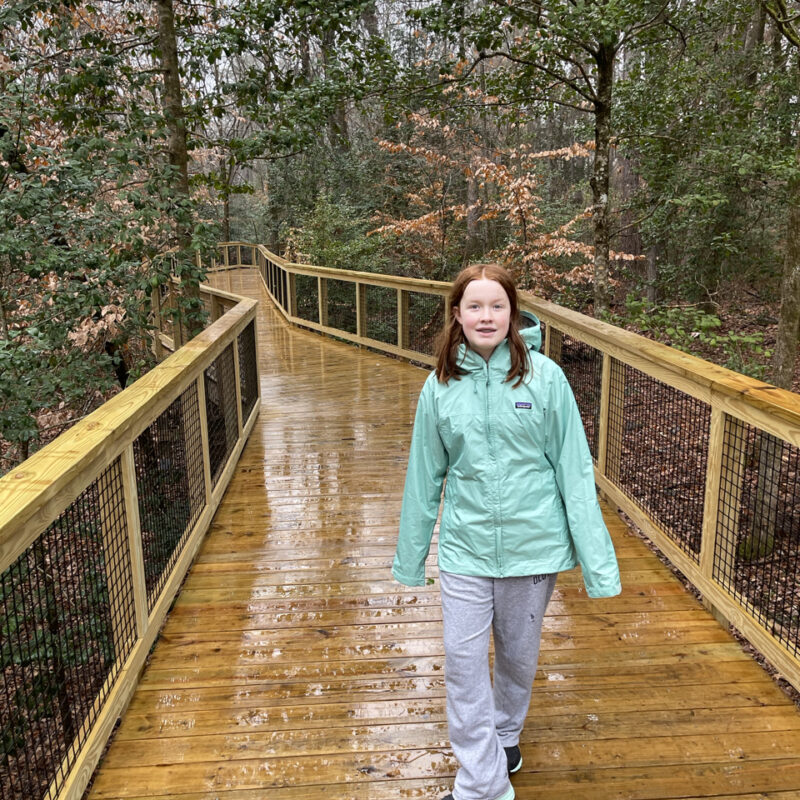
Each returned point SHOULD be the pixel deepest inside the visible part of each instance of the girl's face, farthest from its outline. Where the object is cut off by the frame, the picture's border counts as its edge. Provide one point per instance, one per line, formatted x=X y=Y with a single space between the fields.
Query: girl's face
x=485 y=314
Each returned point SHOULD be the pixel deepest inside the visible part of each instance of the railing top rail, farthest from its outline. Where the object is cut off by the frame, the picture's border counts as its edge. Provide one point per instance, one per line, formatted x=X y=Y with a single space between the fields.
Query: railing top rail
x=718 y=382
x=709 y=382
x=33 y=494
x=373 y=278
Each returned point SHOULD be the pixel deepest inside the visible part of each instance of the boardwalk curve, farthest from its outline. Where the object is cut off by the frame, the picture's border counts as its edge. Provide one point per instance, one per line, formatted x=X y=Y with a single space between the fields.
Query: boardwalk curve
x=293 y=666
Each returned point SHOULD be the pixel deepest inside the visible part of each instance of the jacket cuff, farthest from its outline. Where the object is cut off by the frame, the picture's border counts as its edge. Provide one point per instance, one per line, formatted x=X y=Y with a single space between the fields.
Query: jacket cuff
x=408 y=580
x=598 y=590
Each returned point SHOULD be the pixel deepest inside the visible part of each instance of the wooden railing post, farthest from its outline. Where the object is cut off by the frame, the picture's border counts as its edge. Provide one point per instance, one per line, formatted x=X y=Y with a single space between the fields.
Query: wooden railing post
x=714 y=468
x=403 y=320
x=361 y=310
x=155 y=304
x=602 y=421
x=131 y=495
x=723 y=489
x=238 y=384
x=614 y=417
x=322 y=299
x=553 y=340
x=201 y=402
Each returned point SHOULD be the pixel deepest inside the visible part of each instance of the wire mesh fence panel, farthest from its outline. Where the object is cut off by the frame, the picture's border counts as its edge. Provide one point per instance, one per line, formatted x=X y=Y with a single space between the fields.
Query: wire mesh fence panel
x=246 y=255
x=169 y=478
x=221 y=412
x=583 y=366
x=248 y=370
x=278 y=287
x=67 y=626
x=342 y=305
x=660 y=457
x=307 y=293
x=425 y=321
x=757 y=553
x=233 y=254
x=382 y=314
x=269 y=277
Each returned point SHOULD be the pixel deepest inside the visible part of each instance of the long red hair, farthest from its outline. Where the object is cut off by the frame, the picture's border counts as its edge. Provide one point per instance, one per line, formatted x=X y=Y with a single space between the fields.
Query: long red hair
x=452 y=335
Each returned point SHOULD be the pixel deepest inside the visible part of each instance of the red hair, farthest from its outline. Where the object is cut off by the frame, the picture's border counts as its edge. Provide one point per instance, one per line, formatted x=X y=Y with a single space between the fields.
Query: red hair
x=452 y=335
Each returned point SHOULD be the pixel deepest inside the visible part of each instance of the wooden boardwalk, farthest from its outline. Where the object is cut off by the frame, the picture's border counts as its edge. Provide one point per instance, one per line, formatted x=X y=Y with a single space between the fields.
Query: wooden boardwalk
x=292 y=665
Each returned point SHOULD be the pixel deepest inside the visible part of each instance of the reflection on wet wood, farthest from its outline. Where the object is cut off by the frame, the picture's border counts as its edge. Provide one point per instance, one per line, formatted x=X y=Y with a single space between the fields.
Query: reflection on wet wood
x=293 y=667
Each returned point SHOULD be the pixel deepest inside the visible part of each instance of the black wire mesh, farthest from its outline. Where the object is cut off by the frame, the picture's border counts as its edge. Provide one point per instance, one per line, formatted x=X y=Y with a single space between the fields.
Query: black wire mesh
x=221 y=413
x=246 y=255
x=342 y=305
x=583 y=366
x=68 y=623
x=660 y=453
x=233 y=254
x=382 y=314
x=425 y=321
x=276 y=281
x=248 y=370
x=169 y=478
x=307 y=293
x=757 y=553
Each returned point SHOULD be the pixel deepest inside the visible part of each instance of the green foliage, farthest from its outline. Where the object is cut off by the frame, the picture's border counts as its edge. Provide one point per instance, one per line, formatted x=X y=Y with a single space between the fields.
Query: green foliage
x=692 y=330
x=86 y=198
x=334 y=235
x=706 y=129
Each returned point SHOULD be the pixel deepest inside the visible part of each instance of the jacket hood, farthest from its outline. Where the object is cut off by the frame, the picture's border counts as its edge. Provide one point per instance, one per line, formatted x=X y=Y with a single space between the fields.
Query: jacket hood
x=529 y=329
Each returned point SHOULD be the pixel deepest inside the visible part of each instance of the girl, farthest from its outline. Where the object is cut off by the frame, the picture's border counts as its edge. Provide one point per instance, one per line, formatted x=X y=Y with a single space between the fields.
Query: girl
x=499 y=420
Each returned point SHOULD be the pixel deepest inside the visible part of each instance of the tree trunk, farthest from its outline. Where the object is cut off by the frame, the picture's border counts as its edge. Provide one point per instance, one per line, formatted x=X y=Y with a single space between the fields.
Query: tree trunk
x=760 y=539
x=600 y=178
x=179 y=160
x=651 y=291
x=785 y=356
x=338 y=129
x=173 y=111
x=369 y=16
x=226 y=176
x=472 y=244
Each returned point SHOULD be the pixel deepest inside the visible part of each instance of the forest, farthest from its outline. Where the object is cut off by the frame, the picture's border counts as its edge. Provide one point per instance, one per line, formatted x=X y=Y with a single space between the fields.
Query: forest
x=636 y=160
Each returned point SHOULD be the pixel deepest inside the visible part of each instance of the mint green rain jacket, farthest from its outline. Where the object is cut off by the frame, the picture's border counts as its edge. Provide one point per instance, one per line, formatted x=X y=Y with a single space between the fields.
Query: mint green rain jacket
x=520 y=497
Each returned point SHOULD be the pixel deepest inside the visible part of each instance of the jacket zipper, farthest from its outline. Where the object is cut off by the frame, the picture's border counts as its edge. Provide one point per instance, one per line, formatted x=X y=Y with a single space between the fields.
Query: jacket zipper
x=496 y=517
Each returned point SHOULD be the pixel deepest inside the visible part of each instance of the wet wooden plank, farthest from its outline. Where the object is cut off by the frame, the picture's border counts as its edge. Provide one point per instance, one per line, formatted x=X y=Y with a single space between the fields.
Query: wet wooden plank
x=549 y=726
x=293 y=667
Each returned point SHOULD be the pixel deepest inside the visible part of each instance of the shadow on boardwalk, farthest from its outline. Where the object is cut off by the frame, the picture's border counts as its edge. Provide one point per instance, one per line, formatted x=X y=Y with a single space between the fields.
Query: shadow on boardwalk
x=293 y=666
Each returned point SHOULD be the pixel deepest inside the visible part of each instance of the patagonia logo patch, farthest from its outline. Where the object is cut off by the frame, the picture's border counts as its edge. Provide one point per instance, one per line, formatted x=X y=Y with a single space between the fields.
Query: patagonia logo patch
x=523 y=405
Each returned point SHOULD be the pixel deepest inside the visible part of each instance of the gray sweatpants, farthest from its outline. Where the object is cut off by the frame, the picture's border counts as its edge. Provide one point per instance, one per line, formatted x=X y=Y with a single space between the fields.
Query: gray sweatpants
x=482 y=719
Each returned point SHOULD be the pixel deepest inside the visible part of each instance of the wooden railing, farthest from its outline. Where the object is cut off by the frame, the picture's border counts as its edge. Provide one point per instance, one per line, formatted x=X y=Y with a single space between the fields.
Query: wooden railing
x=97 y=531
x=706 y=462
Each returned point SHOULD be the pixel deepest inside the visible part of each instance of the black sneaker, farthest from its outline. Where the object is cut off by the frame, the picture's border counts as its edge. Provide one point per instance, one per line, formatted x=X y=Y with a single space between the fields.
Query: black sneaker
x=514 y=758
